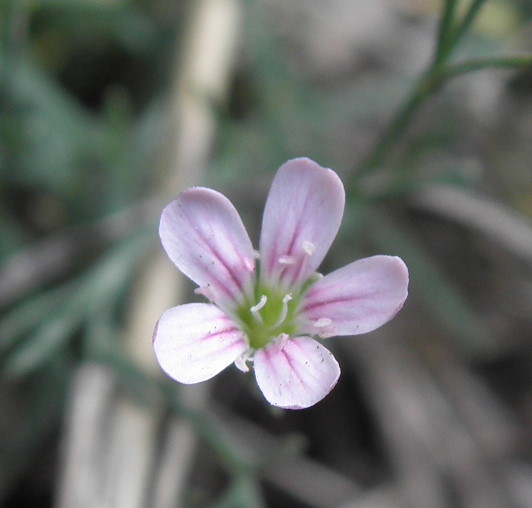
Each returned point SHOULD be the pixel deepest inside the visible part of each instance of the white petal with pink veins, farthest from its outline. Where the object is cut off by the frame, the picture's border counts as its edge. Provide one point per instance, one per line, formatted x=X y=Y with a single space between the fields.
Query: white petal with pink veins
x=295 y=374
x=203 y=235
x=195 y=341
x=357 y=298
x=301 y=218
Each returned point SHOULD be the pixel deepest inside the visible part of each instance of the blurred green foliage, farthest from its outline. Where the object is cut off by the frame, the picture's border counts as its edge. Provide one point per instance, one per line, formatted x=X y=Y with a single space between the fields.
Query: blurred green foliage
x=82 y=91
x=80 y=86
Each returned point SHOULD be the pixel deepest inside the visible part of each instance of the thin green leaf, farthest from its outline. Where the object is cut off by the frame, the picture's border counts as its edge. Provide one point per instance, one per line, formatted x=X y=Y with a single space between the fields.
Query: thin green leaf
x=503 y=62
x=26 y=315
x=98 y=284
x=445 y=29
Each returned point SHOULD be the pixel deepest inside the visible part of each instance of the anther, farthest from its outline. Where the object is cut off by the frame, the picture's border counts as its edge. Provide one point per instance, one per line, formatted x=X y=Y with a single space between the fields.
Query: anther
x=249 y=264
x=262 y=302
x=308 y=247
x=287 y=260
x=322 y=322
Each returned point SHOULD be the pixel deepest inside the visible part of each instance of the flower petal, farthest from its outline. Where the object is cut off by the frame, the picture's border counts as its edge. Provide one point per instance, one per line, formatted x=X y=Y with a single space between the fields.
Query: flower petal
x=357 y=298
x=296 y=375
x=301 y=218
x=203 y=235
x=195 y=341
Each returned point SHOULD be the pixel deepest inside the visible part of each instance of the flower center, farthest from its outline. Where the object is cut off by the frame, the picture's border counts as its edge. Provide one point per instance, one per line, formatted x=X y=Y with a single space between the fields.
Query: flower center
x=272 y=315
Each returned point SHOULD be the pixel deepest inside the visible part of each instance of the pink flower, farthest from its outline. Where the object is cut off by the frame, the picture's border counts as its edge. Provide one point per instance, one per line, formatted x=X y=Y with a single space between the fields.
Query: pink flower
x=267 y=312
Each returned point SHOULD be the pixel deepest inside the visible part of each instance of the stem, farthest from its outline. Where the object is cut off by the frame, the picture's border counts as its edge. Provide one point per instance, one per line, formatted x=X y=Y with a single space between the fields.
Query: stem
x=434 y=77
x=427 y=84
x=399 y=123
x=466 y=23
x=457 y=69
x=444 y=40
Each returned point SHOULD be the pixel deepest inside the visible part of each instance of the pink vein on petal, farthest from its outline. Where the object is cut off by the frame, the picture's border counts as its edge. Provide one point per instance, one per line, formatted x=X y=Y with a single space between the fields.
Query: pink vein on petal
x=298 y=376
x=204 y=236
x=195 y=341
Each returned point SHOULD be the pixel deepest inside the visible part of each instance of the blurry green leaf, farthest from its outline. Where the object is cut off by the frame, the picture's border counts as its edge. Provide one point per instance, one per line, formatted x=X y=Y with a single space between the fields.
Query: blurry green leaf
x=148 y=133
x=57 y=130
x=11 y=235
x=47 y=338
x=83 y=21
x=122 y=170
x=100 y=285
x=25 y=316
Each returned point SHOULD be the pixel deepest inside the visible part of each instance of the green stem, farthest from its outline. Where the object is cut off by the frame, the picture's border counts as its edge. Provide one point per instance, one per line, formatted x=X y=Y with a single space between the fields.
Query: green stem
x=399 y=123
x=444 y=31
x=427 y=84
x=479 y=64
x=466 y=23
x=434 y=77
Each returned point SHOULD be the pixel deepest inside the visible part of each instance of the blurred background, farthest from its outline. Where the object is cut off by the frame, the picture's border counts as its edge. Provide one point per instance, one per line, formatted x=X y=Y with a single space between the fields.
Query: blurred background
x=108 y=108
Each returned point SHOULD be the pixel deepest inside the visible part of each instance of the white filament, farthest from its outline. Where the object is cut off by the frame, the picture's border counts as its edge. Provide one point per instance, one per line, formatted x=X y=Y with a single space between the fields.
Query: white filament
x=262 y=302
x=240 y=362
x=281 y=341
x=284 y=310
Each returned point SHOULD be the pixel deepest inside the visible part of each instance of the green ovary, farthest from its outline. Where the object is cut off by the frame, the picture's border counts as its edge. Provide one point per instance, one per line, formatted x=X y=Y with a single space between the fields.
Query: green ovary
x=267 y=323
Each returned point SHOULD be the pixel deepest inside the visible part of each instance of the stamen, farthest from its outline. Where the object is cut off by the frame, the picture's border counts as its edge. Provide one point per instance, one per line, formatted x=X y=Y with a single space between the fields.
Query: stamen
x=249 y=264
x=240 y=362
x=322 y=322
x=262 y=302
x=256 y=254
x=281 y=341
x=287 y=260
x=284 y=309
x=308 y=247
